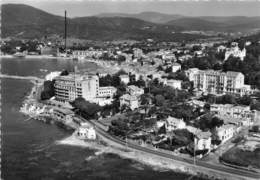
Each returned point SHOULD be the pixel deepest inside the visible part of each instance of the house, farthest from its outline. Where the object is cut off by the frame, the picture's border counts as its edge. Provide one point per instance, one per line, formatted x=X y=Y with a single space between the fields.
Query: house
x=129 y=101
x=232 y=110
x=176 y=84
x=237 y=121
x=176 y=67
x=225 y=132
x=65 y=115
x=124 y=78
x=107 y=91
x=203 y=140
x=235 y=52
x=174 y=123
x=159 y=124
x=134 y=90
x=86 y=131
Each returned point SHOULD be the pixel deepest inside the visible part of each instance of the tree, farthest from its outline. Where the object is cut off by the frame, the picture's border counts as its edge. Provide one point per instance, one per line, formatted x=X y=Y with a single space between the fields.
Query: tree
x=209 y=122
x=89 y=110
x=64 y=73
x=48 y=90
x=159 y=100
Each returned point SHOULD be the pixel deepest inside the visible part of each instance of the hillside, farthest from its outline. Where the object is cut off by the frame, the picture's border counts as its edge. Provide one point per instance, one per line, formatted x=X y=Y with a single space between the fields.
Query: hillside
x=211 y=23
x=24 y=21
x=233 y=24
x=153 y=17
x=188 y=23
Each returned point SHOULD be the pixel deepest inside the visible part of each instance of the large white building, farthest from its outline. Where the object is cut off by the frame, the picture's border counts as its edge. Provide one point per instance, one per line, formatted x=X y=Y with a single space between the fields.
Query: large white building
x=232 y=110
x=217 y=82
x=68 y=88
x=174 y=123
x=225 y=132
x=82 y=54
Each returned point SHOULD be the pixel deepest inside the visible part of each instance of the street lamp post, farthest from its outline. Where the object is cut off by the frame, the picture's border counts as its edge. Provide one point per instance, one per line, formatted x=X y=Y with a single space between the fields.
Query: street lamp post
x=194 y=153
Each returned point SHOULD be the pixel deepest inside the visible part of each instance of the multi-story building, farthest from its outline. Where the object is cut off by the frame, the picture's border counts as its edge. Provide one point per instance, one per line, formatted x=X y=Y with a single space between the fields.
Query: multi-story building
x=130 y=101
x=232 y=110
x=217 y=82
x=174 y=123
x=68 y=88
x=134 y=90
x=82 y=54
x=225 y=132
x=108 y=91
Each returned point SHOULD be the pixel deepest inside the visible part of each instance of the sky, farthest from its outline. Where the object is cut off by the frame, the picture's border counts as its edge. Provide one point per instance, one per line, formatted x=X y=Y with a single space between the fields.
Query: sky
x=77 y=8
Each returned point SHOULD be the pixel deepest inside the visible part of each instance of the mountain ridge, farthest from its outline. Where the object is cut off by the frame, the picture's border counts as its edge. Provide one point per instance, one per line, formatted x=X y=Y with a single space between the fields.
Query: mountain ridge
x=23 y=21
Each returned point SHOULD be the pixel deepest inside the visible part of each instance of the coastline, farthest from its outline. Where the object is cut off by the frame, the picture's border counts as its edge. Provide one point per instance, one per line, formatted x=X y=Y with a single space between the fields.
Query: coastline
x=35 y=57
x=125 y=154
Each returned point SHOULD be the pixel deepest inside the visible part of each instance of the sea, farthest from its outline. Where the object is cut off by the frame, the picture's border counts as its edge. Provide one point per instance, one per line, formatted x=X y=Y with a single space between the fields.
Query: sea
x=30 y=150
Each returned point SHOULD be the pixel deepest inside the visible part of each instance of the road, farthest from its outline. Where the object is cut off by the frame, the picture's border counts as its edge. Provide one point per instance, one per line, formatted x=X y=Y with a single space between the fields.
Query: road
x=212 y=167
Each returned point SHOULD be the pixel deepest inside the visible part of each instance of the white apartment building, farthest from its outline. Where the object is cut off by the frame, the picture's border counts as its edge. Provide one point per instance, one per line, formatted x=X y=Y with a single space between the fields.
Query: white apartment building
x=217 y=82
x=107 y=91
x=232 y=110
x=68 y=88
x=82 y=54
x=225 y=132
x=174 y=123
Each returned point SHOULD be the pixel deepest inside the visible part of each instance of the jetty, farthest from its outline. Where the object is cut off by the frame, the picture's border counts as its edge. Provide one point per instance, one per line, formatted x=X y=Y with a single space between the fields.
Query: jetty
x=31 y=78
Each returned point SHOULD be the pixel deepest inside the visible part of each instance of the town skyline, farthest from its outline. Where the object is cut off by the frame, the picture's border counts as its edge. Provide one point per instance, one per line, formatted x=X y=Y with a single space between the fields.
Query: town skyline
x=80 y=8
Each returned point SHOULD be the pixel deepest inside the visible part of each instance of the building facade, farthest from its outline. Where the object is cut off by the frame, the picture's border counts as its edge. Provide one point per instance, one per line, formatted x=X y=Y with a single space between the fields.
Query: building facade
x=134 y=90
x=86 y=131
x=174 y=123
x=225 y=132
x=203 y=141
x=216 y=82
x=129 y=101
x=68 y=88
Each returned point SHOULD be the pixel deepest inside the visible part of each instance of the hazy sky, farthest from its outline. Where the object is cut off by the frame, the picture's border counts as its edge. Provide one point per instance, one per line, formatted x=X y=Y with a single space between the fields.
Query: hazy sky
x=191 y=8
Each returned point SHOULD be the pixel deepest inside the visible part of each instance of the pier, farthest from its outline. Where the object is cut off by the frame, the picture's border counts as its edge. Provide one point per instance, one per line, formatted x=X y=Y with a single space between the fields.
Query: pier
x=31 y=78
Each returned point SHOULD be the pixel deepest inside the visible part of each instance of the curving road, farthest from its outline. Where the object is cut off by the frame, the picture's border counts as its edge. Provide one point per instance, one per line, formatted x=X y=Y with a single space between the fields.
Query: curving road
x=212 y=167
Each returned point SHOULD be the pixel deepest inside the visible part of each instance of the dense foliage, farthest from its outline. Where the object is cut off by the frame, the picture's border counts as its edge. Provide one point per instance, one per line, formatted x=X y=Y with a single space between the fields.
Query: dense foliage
x=48 y=90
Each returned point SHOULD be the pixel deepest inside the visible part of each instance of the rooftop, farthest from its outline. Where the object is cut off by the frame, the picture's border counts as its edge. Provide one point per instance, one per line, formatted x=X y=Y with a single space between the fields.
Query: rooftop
x=63 y=110
x=203 y=135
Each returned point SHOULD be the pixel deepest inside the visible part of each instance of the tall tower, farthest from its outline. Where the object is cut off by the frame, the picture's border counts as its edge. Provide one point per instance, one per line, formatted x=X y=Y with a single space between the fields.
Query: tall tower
x=65 y=31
